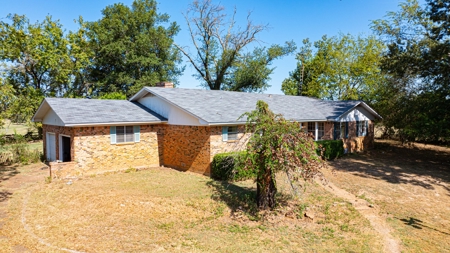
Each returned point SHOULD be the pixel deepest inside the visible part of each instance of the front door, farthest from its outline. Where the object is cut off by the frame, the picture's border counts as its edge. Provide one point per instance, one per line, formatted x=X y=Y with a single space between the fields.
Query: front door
x=51 y=147
x=65 y=149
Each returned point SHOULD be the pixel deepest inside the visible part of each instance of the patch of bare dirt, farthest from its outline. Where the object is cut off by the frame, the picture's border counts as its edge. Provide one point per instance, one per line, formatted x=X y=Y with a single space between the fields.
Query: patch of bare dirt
x=369 y=212
x=13 y=178
x=408 y=188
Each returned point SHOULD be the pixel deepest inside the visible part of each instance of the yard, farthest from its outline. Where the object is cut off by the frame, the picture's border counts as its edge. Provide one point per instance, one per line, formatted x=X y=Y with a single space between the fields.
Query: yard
x=160 y=209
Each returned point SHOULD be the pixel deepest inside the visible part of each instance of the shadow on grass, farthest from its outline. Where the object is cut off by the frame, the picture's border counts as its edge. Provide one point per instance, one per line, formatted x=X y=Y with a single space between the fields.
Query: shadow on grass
x=7 y=172
x=242 y=199
x=418 y=224
x=4 y=195
x=237 y=198
x=398 y=164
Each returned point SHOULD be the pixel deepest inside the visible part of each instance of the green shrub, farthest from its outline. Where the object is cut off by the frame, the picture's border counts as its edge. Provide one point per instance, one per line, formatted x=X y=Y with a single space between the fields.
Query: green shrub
x=19 y=153
x=229 y=166
x=332 y=149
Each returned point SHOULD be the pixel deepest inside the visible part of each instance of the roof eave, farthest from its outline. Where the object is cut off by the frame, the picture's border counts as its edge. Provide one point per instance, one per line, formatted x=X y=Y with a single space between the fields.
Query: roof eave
x=363 y=105
x=34 y=119
x=116 y=123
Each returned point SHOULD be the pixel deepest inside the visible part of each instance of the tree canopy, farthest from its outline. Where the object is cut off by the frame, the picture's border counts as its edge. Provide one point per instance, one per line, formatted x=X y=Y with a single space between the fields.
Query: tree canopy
x=129 y=47
x=219 y=57
x=417 y=97
x=132 y=48
x=338 y=68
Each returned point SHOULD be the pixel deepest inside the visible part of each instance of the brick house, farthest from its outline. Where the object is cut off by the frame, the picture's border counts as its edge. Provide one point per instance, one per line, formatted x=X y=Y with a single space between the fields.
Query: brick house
x=181 y=128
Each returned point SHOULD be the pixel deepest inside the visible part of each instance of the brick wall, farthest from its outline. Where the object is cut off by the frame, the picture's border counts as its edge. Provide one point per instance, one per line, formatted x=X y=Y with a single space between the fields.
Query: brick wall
x=92 y=151
x=57 y=130
x=193 y=147
x=181 y=147
x=186 y=148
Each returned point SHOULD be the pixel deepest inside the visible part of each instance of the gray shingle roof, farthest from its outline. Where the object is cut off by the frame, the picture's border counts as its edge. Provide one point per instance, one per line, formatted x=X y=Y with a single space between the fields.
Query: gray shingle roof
x=94 y=111
x=224 y=106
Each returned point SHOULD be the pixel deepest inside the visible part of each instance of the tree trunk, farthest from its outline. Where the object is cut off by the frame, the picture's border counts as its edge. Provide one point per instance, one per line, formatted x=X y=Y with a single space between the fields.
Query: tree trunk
x=265 y=192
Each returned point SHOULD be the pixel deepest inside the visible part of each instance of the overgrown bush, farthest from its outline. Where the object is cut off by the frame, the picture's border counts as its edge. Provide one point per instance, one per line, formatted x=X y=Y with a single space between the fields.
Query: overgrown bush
x=18 y=152
x=331 y=149
x=228 y=166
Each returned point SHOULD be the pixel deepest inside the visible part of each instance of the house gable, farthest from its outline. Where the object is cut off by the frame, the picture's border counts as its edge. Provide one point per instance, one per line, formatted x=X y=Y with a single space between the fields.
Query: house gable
x=51 y=118
x=358 y=113
x=175 y=115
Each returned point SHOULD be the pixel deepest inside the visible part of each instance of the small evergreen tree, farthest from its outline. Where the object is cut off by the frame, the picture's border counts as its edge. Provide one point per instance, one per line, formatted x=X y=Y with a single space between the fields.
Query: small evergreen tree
x=278 y=145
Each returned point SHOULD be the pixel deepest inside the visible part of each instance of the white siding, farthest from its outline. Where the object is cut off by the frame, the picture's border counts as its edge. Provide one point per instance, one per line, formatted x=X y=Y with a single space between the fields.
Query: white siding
x=52 y=119
x=175 y=115
x=357 y=114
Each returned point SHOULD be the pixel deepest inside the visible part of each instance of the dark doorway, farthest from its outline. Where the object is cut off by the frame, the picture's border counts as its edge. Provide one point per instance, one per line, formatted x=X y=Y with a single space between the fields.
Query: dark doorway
x=66 y=149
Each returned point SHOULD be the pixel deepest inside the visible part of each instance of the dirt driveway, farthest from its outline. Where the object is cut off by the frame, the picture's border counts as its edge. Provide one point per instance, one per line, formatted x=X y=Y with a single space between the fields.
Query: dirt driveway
x=409 y=186
x=12 y=179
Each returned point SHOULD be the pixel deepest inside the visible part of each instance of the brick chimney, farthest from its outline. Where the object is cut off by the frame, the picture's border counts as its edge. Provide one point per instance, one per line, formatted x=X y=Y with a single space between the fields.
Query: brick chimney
x=164 y=85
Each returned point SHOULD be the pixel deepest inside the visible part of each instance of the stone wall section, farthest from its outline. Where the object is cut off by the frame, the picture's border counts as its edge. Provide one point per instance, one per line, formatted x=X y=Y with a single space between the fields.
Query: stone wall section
x=220 y=146
x=92 y=151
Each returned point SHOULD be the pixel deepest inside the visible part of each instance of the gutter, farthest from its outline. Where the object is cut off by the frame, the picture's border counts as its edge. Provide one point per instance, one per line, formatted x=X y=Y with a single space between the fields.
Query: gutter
x=116 y=124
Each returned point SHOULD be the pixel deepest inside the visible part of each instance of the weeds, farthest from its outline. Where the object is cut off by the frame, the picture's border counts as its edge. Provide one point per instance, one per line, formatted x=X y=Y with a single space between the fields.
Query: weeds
x=300 y=212
x=48 y=180
x=363 y=196
x=19 y=153
x=131 y=170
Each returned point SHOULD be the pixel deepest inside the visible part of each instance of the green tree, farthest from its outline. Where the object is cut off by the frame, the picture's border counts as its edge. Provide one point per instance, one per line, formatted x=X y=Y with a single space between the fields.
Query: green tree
x=218 y=55
x=7 y=97
x=277 y=145
x=341 y=68
x=35 y=54
x=418 y=63
x=35 y=64
x=113 y=95
x=133 y=48
x=81 y=59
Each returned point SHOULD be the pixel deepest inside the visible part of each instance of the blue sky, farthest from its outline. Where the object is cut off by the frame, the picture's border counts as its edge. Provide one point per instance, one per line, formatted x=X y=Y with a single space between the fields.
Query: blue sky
x=288 y=20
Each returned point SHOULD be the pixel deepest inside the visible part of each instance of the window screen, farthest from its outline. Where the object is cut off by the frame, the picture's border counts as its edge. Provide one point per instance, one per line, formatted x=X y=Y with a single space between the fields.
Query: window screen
x=124 y=134
x=232 y=133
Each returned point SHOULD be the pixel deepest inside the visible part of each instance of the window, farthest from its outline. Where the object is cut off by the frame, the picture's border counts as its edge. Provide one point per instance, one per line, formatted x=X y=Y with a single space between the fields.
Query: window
x=361 y=128
x=229 y=133
x=340 y=130
x=321 y=130
x=124 y=134
x=312 y=128
x=232 y=133
x=337 y=130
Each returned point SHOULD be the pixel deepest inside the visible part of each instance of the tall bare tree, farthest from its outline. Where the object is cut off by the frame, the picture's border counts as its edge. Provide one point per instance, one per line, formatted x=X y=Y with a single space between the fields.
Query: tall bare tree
x=219 y=43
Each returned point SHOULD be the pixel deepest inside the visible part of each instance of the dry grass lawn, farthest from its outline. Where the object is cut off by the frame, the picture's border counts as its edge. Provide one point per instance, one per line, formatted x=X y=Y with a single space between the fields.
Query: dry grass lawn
x=169 y=211
x=12 y=128
x=410 y=186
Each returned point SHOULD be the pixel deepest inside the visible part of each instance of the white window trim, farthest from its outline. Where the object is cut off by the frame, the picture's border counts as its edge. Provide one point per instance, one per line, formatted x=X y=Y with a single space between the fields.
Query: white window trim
x=316 y=132
x=47 y=146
